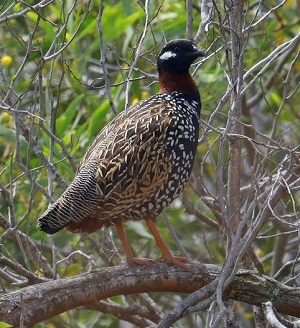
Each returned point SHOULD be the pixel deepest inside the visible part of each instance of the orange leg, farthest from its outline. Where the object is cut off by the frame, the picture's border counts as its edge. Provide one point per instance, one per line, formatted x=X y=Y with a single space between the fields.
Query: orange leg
x=166 y=254
x=126 y=247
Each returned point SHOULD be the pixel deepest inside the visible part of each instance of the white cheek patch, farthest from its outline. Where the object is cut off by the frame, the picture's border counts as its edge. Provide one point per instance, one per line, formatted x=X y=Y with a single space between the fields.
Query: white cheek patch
x=167 y=55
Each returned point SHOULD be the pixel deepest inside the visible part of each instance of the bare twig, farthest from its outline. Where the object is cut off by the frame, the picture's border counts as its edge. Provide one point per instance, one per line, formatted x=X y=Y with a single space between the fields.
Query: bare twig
x=189 y=20
x=276 y=320
x=103 y=59
x=137 y=53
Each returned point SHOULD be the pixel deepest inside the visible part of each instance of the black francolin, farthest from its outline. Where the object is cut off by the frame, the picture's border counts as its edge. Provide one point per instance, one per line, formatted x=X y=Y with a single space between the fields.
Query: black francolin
x=140 y=162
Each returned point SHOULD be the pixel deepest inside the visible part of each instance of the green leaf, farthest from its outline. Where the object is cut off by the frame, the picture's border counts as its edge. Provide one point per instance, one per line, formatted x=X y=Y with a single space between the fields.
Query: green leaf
x=97 y=118
x=4 y=325
x=139 y=229
x=67 y=117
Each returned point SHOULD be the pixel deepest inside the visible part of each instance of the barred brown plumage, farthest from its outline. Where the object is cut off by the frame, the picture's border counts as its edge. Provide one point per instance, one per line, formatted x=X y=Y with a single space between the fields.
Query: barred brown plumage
x=140 y=162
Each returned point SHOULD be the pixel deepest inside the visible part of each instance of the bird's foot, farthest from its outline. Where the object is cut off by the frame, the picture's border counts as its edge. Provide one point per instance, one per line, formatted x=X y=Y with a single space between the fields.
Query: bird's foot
x=177 y=260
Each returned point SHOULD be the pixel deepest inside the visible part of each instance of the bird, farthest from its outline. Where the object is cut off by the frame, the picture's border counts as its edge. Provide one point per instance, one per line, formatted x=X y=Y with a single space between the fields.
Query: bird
x=138 y=163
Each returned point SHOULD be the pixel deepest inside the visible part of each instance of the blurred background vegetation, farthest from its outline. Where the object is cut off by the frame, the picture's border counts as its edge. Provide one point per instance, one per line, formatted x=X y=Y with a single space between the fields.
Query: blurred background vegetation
x=67 y=68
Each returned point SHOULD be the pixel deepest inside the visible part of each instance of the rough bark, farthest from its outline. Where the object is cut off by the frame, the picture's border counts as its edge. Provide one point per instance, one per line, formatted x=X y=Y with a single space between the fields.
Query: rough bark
x=39 y=302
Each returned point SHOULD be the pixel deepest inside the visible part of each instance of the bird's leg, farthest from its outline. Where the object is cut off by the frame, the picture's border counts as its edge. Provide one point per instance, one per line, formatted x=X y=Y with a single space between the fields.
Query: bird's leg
x=126 y=247
x=166 y=254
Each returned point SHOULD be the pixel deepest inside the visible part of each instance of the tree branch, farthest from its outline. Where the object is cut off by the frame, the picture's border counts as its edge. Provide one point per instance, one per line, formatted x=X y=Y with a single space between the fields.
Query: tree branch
x=45 y=300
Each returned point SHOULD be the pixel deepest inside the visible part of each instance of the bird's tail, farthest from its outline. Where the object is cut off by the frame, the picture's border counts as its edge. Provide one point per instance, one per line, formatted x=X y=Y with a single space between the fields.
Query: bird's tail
x=52 y=221
x=75 y=204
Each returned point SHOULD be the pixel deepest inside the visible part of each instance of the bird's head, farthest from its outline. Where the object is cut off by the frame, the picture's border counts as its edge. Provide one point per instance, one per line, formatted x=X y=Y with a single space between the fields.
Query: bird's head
x=177 y=56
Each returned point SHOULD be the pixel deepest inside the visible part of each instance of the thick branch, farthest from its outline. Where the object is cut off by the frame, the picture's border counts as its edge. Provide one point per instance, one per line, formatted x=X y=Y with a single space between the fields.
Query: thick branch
x=45 y=300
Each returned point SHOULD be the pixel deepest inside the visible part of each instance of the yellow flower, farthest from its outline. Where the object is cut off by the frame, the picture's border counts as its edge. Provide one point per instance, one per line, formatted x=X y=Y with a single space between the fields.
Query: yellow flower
x=134 y=100
x=5 y=117
x=6 y=60
x=145 y=94
x=68 y=36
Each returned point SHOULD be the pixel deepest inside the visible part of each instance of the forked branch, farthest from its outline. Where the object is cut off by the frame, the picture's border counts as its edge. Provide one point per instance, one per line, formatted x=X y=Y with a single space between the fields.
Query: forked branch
x=42 y=301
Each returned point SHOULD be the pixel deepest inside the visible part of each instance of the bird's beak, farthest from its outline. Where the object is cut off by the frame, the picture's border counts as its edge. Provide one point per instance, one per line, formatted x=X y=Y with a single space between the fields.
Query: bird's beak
x=201 y=53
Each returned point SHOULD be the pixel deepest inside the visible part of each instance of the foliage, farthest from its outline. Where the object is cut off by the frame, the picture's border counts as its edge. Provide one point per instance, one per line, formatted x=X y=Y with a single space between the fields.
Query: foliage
x=67 y=68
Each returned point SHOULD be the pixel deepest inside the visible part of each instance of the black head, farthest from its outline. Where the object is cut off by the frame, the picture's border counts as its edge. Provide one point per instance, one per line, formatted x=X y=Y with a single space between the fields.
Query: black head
x=177 y=56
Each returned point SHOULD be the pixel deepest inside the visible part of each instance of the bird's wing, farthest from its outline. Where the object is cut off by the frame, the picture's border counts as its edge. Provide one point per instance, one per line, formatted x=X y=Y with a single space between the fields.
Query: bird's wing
x=132 y=156
x=120 y=165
